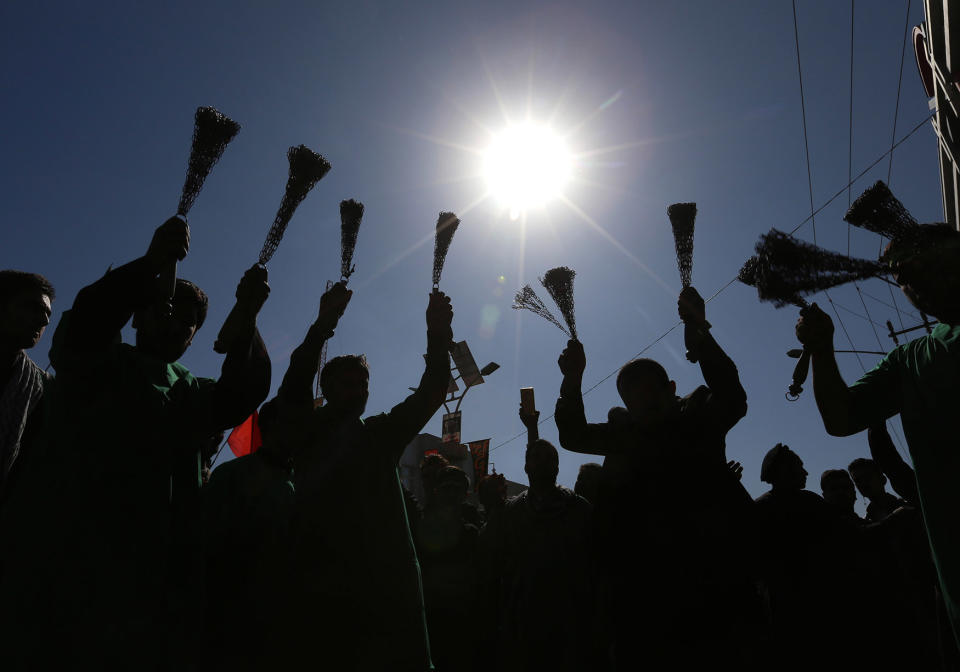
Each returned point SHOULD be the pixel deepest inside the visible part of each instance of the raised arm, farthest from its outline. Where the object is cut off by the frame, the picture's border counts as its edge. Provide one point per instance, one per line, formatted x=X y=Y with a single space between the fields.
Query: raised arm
x=245 y=375
x=815 y=331
x=408 y=417
x=575 y=433
x=728 y=397
x=296 y=385
x=102 y=309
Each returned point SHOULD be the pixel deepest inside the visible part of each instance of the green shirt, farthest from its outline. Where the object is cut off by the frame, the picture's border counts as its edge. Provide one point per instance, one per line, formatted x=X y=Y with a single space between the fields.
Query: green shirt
x=921 y=381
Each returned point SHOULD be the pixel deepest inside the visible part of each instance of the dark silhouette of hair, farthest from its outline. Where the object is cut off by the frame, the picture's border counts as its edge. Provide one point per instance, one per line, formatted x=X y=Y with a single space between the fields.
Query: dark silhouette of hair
x=640 y=368
x=13 y=282
x=545 y=447
x=863 y=463
x=768 y=468
x=833 y=475
x=187 y=292
x=338 y=365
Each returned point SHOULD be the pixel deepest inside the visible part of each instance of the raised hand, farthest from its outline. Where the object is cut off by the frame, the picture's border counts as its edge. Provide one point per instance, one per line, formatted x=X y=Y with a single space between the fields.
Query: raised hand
x=691 y=307
x=573 y=360
x=253 y=289
x=333 y=303
x=170 y=243
x=529 y=419
x=815 y=330
x=440 y=318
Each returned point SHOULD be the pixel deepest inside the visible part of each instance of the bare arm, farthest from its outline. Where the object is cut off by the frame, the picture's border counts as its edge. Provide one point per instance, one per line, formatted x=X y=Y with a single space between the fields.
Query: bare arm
x=102 y=309
x=576 y=434
x=727 y=396
x=815 y=331
x=296 y=385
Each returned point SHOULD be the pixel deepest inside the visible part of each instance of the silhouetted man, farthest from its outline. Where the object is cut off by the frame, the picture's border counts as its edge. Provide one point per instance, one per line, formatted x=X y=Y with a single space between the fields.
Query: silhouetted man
x=871 y=483
x=917 y=380
x=539 y=564
x=840 y=495
x=676 y=504
x=806 y=551
x=447 y=552
x=588 y=481
x=25 y=304
x=85 y=581
x=359 y=597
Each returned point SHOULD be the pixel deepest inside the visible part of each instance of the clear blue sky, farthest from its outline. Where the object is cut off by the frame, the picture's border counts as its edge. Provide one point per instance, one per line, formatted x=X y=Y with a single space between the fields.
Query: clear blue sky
x=689 y=101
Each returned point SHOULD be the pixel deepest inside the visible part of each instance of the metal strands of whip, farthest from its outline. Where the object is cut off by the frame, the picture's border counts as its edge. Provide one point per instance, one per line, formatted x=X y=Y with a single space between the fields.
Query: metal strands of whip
x=527 y=299
x=559 y=284
x=682 y=217
x=306 y=169
x=351 y=212
x=790 y=268
x=212 y=132
x=447 y=224
x=878 y=210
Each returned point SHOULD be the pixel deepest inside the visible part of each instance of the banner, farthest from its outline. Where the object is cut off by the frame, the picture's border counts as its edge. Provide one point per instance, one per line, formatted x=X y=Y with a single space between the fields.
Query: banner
x=451 y=428
x=480 y=453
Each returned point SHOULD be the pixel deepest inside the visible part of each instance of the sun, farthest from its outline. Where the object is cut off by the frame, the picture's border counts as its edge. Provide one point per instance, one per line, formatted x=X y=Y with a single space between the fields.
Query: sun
x=526 y=166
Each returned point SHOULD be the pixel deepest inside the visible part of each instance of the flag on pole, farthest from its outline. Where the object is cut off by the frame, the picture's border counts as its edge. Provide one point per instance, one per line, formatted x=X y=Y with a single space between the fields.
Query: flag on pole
x=480 y=453
x=245 y=438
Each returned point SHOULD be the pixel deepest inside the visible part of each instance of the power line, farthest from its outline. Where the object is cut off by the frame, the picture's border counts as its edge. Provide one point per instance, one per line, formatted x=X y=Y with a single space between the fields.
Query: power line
x=890 y=305
x=863 y=172
x=734 y=279
x=803 y=111
x=896 y=111
x=850 y=131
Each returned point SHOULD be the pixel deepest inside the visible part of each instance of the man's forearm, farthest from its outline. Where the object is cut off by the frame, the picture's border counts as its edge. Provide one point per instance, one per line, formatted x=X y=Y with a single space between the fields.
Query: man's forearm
x=304 y=361
x=719 y=372
x=105 y=306
x=570 y=386
x=832 y=394
x=244 y=382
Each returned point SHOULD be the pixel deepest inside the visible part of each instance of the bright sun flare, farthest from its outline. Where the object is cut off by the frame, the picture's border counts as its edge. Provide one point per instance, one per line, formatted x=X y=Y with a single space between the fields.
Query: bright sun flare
x=525 y=166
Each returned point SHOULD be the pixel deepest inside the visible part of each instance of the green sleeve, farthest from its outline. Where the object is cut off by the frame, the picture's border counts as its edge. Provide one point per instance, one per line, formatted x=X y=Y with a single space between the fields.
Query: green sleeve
x=876 y=396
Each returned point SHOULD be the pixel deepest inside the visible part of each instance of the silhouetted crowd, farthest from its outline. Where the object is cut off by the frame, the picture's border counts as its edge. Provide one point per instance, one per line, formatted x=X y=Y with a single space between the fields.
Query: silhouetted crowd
x=120 y=550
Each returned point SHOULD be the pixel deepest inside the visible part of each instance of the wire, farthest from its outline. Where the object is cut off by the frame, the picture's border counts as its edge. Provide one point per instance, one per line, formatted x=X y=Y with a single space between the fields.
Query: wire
x=863 y=172
x=845 y=332
x=890 y=305
x=896 y=111
x=734 y=279
x=873 y=324
x=850 y=131
x=803 y=111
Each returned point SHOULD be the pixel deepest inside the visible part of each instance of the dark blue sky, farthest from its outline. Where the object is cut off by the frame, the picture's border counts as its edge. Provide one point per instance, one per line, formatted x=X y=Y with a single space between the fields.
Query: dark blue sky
x=662 y=102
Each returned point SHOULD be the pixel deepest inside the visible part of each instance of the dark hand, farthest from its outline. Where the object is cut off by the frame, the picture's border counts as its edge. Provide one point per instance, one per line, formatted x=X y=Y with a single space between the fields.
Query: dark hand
x=440 y=317
x=333 y=303
x=691 y=307
x=170 y=243
x=573 y=360
x=736 y=469
x=815 y=330
x=492 y=491
x=529 y=419
x=253 y=289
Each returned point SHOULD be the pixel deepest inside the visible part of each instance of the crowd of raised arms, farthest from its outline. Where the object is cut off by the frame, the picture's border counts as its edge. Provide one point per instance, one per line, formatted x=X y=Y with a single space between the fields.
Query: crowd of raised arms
x=118 y=550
